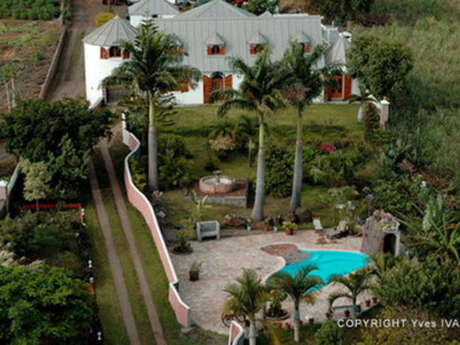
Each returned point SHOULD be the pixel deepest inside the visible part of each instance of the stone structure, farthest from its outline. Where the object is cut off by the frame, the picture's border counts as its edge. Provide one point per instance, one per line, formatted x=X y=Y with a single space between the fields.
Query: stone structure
x=381 y=234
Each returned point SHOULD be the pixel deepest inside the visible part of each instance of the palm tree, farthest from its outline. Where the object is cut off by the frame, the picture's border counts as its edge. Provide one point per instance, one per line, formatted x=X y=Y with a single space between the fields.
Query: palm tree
x=221 y=129
x=260 y=93
x=307 y=85
x=355 y=283
x=247 y=298
x=153 y=70
x=245 y=130
x=363 y=97
x=383 y=262
x=299 y=288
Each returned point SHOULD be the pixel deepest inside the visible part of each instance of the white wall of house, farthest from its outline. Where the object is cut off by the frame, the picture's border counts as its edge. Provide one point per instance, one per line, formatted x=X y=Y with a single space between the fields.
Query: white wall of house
x=137 y=20
x=96 y=70
x=355 y=87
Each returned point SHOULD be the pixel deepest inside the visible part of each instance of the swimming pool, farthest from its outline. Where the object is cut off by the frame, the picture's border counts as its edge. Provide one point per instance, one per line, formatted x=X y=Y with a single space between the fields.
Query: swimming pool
x=329 y=262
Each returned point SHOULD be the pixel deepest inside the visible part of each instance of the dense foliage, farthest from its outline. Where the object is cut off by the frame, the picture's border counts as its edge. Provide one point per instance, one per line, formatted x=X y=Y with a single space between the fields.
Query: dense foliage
x=329 y=334
x=422 y=284
x=380 y=64
x=30 y=9
x=43 y=305
x=260 y=6
x=61 y=134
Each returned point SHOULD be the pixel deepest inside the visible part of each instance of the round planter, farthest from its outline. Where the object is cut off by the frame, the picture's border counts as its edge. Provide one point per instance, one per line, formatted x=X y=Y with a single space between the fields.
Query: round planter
x=374 y=300
x=194 y=276
x=285 y=316
x=347 y=313
x=368 y=303
x=289 y=232
x=311 y=321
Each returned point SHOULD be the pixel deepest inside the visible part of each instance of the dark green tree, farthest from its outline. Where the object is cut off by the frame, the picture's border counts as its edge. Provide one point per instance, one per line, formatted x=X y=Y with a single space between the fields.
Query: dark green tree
x=382 y=65
x=260 y=6
x=43 y=305
x=329 y=334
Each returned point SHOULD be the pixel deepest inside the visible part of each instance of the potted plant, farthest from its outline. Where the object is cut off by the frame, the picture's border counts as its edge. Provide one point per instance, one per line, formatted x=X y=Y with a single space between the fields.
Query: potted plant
x=183 y=235
x=374 y=300
x=194 y=272
x=347 y=313
x=368 y=303
x=311 y=321
x=289 y=227
x=275 y=312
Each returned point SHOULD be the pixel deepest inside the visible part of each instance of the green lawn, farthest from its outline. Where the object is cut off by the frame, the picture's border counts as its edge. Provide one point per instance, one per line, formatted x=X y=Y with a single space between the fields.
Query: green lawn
x=107 y=300
x=334 y=123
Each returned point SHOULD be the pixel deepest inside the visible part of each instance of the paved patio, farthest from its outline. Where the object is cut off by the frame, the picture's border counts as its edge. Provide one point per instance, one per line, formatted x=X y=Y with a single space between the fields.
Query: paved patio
x=224 y=260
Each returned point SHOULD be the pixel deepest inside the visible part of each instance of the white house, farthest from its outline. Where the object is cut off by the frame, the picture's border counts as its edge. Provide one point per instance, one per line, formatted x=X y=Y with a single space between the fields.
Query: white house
x=209 y=34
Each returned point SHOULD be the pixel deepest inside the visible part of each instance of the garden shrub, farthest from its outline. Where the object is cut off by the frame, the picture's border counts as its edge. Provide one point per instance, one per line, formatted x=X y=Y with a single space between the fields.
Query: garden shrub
x=173 y=143
x=223 y=146
x=329 y=334
x=279 y=162
x=334 y=169
x=371 y=121
x=424 y=284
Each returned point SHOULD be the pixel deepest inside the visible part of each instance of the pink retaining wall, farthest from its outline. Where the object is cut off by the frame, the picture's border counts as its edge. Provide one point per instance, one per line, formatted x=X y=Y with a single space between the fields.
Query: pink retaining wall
x=141 y=203
x=235 y=333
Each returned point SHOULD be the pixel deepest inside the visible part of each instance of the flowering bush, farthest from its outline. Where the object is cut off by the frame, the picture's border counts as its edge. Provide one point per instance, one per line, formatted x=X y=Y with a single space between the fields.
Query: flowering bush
x=326 y=147
x=222 y=145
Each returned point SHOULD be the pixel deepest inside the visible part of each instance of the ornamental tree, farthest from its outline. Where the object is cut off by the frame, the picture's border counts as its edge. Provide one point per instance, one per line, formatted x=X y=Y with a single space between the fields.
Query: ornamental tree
x=43 y=305
x=382 y=65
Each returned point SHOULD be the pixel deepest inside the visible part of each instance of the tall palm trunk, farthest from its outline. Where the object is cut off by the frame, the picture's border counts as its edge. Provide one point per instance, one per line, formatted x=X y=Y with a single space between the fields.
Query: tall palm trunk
x=13 y=88
x=361 y=112
x=296 y=321
x=8 y=102
x=252 y=331
x=152 y=148
x=298 y=166
x=258 y=209
x=250 y=146
x=353 y=311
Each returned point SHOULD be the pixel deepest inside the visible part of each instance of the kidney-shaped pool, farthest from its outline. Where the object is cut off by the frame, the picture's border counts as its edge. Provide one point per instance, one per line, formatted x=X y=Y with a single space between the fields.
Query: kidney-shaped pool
x=329 y=262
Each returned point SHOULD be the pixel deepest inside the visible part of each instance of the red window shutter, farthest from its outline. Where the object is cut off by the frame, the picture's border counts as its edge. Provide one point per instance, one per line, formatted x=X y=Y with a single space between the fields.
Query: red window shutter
x=125 y=54
x=184 y=87
x=206 y=88
x=307 y=47
x=347 y=87
x=222 y=50
x=104 y=53
x=252 y=49
x=228 y=81
x=209 y=50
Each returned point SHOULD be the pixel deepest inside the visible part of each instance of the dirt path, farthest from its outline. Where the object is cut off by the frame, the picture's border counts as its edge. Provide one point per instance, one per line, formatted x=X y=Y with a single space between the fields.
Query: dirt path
x=115 y=265
x=129 y=234
x=69 y=80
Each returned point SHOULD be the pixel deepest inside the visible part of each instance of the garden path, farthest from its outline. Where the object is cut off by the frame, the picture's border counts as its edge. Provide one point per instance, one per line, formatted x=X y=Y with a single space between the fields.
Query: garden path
x=129 y=234
x=114 y=261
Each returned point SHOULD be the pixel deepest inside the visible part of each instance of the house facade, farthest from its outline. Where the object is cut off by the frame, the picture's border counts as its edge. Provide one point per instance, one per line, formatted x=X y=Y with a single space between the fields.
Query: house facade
x=209 y=34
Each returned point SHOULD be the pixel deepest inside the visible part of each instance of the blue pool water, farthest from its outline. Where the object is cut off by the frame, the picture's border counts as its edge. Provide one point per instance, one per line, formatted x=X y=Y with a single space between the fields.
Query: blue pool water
x=329 y=262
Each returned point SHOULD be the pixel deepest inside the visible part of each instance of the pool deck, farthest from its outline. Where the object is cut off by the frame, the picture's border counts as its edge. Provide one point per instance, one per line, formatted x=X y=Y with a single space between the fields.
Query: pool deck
x=224 y=260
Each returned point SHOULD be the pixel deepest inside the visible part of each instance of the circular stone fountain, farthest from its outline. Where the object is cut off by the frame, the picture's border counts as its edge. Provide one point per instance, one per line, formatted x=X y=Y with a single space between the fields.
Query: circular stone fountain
x=217 y=184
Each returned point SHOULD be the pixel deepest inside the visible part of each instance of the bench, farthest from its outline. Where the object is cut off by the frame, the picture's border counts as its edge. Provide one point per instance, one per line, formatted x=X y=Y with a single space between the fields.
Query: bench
x=208 y=229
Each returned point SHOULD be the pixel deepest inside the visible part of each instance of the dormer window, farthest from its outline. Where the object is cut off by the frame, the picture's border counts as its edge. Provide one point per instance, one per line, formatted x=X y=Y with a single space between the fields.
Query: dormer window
x=215 y=45
x=257 y=43
x=216 y=50
x=255 y=48
x=306 y=46
x=114 y=51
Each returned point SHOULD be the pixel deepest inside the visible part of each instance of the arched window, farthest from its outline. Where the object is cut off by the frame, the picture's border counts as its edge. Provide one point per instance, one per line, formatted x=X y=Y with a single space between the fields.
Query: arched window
x=217 y=81
x=114 y=51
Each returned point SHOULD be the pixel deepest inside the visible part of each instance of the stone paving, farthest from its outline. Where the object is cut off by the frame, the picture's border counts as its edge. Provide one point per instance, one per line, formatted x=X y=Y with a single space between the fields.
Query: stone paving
x=224 y=260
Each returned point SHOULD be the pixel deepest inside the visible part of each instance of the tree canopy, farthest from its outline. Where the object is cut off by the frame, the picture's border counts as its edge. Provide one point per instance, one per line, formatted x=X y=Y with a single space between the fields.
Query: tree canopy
x=61 y=134
x=382 y=65
x=43 y=304
x=260 y=6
